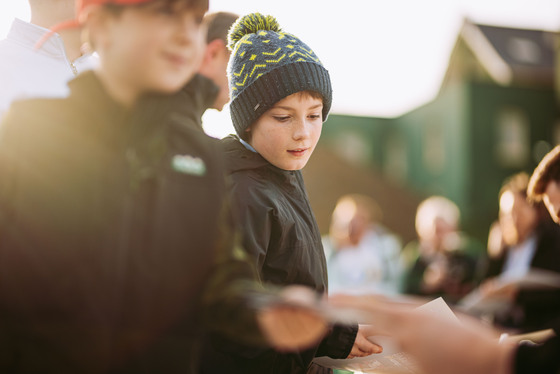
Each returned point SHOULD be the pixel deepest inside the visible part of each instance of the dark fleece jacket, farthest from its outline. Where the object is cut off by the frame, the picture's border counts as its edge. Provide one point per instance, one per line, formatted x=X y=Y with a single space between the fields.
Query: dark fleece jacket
x=280 y=233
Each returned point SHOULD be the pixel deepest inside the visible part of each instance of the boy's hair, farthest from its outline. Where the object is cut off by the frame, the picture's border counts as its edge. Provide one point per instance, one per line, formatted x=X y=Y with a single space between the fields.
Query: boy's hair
x=312 y=94
x=547 y=171
x=218 y=25
x=267 y=65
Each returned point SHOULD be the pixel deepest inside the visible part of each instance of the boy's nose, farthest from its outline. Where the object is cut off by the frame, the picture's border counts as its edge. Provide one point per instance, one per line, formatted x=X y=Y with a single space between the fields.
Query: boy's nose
x=301 y=130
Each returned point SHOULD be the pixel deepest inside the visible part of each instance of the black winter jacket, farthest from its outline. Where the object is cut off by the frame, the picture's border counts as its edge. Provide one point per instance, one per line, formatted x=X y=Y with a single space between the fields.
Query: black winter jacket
x=280 y=234
x=197 y=96
x=112 y=223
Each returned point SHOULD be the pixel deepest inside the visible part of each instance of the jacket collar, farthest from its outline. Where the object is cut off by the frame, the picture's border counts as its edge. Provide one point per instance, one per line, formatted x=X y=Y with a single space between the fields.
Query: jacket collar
x=91 y=97
x=28 y=34
x=238 y=158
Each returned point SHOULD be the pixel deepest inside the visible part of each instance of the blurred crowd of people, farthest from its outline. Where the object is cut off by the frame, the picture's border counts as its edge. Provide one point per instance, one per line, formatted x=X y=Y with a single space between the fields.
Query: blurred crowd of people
x=365 y=257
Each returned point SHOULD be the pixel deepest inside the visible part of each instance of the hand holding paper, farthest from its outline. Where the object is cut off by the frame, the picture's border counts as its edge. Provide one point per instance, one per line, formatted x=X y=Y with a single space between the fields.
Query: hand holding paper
x=362 y=345
x=430 y=338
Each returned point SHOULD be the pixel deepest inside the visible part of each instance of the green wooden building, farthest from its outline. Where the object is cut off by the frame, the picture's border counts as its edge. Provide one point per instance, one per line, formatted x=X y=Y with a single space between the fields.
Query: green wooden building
x=496 y=114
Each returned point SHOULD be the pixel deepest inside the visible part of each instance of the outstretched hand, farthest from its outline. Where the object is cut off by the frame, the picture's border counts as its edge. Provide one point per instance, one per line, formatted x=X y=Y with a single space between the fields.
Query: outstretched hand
x=362 y=345
x=292 y=326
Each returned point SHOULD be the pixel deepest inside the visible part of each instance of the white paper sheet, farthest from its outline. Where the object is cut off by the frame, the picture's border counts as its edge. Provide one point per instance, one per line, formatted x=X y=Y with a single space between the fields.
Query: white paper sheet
x=392 y=360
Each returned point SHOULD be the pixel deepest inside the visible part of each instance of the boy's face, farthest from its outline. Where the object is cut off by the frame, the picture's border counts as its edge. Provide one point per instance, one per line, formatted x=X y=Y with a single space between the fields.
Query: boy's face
x=551 y=199
x=156 y=47
x=287 y=133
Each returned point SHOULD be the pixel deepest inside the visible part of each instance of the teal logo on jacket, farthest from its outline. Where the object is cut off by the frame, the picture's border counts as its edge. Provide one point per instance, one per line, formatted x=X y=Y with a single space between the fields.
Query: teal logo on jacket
x=187 y=164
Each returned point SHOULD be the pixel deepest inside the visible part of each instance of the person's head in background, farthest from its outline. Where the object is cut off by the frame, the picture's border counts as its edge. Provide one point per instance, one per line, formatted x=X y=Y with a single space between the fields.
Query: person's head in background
x=495 y=244
x=144 y=45
x=544 y=184
x=437 y=224
x=46 y=13
x=352 y=216
x=280 y=92
x=216 y=55
x=518 y=217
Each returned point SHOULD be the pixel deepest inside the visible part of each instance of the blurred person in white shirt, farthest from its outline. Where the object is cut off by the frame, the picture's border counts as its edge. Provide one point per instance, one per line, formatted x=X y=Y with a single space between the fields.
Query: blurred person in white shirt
x=29 y=70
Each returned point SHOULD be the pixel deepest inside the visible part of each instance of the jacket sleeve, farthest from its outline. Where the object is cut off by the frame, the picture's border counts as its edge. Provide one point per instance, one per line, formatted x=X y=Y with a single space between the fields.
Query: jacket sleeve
x=543 y=358
x=227 y=295
x=338 y=342
x=228 y=309
x=12 y=133
x=7 y=168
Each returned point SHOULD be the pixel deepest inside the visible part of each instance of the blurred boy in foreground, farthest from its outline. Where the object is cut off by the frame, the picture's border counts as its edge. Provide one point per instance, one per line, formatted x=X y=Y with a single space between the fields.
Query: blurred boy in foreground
x=116 y=242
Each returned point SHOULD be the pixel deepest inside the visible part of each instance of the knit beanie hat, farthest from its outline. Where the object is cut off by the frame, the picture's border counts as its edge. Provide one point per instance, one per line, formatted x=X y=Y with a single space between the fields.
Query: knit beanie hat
x=267 y=65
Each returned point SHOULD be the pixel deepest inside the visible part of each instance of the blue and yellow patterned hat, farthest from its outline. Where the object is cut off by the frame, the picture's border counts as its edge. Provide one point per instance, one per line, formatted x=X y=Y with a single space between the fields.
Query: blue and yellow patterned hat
x=267 y=65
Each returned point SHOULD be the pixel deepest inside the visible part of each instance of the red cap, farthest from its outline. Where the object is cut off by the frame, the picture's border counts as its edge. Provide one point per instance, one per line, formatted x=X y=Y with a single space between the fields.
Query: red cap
x=75 y=23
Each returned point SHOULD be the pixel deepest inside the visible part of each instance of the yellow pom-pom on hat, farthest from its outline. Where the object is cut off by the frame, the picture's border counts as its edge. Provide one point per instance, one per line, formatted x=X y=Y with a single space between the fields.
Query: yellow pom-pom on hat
x=251 y=24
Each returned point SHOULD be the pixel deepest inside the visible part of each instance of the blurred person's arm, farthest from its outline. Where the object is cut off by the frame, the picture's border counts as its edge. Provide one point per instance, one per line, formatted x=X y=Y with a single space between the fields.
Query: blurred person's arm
x=439 y=346
x=538 y=358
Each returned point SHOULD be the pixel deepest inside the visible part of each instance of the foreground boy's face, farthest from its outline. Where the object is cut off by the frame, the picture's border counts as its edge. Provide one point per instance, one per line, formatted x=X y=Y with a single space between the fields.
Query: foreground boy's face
x=286 y=134
x=155 y=47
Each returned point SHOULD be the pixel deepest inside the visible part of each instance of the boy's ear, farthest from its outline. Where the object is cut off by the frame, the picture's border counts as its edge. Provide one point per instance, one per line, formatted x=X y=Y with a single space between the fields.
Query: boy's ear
x=213 y=50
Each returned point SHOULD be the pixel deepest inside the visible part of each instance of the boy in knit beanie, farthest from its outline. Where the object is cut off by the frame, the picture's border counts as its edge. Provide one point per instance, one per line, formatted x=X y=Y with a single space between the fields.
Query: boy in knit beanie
x=280 y=96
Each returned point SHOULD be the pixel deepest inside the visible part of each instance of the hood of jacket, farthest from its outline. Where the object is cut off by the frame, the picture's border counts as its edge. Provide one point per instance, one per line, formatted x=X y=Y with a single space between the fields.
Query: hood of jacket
x=238 y=157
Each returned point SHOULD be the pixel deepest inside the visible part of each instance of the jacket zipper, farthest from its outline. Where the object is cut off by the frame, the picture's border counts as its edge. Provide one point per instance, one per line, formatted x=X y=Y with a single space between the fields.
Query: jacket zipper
x=74 y=69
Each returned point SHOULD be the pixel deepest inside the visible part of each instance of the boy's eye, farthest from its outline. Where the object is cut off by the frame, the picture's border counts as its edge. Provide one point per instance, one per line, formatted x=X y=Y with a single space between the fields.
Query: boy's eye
x=314 y=116
x=281 y=118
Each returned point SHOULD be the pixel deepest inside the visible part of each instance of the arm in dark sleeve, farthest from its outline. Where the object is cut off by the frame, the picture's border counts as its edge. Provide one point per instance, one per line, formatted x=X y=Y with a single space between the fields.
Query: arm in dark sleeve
x=11 y=151
x=542 y=359
x=8 y=158
x=338 y=342
x=539 y=298
x=233 y=279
